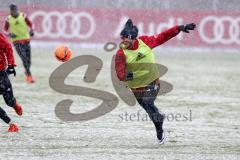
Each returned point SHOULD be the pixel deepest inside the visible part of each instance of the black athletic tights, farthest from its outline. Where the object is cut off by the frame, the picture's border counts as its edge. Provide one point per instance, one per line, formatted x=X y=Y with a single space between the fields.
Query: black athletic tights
x=6 y=91
x=146 y=98
x=24 y=51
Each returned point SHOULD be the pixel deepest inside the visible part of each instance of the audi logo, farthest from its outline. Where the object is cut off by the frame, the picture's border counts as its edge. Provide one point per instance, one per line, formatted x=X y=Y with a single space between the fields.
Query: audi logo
x=225 y=30
x=67 y=25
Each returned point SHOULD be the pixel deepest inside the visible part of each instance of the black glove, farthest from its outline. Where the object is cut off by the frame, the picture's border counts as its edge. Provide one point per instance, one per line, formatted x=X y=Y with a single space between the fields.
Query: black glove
x=129 y=76
x=31 y=33
x=187 y=27
x=12 y=35
x=11 y=70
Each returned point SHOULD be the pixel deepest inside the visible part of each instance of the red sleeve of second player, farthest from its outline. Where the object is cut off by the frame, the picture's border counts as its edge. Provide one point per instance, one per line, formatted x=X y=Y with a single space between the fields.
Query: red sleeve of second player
x=6 y=46
x=120 y=62
x=154 y=41
x=28 y=21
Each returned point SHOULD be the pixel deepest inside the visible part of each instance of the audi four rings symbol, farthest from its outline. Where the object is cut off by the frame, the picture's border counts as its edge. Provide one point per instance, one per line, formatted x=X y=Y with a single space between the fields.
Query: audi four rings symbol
x=226 y=30
x=63 y=20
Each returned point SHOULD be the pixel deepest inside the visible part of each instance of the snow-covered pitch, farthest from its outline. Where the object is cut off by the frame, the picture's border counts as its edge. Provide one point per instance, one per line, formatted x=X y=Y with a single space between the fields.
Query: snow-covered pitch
x=206 y=86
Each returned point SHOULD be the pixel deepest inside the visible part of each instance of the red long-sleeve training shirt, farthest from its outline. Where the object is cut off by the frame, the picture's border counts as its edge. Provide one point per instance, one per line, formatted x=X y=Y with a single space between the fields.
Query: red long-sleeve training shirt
x=28 y=22
x=151 y=41
x=6 y=53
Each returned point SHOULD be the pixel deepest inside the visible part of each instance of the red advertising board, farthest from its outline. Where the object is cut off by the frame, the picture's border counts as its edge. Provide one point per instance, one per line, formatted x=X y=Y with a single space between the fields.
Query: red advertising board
x=101 y=25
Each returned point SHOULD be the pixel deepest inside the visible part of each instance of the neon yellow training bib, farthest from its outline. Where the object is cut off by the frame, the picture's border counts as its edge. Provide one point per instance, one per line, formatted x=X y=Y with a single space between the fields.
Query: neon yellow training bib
x=141 y=62
x=19 y=27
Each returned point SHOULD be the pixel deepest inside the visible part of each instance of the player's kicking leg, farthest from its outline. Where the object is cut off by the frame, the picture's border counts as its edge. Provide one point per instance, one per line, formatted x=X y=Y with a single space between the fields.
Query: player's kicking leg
x=146 y=99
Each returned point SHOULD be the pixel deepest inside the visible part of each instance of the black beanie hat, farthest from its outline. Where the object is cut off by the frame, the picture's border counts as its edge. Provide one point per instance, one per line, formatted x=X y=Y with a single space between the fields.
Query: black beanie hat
x=130 y=31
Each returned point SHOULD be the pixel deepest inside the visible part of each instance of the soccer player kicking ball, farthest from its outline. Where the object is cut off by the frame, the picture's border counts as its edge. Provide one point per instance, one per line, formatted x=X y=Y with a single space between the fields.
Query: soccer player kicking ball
x=19 y=28
x=7 y=61
x=134 y=58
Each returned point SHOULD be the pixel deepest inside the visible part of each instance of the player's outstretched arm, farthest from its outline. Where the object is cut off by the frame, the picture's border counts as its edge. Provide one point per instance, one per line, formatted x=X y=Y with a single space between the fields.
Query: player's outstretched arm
x=156 y=40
